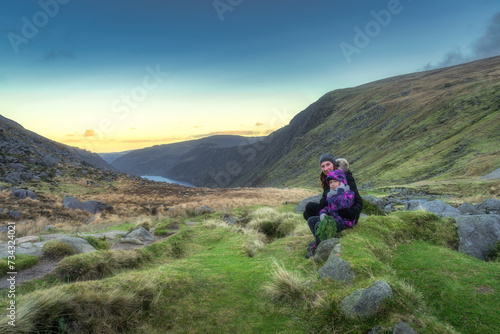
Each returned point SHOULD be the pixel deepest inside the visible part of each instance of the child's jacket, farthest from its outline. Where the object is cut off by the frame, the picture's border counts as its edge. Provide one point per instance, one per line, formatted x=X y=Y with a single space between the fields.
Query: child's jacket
x=343 y=199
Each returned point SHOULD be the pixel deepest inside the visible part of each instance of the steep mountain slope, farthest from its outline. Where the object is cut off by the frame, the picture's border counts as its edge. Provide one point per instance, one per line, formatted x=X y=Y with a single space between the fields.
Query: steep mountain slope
x=159 y=159
x=440 y=123
x=25 y=155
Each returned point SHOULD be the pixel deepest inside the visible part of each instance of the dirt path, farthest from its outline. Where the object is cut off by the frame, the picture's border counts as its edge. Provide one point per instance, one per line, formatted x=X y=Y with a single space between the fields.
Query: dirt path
x=45 y=266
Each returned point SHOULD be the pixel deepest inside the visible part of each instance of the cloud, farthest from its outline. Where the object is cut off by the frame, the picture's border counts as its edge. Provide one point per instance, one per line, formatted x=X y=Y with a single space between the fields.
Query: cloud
x=488 y=45
x=133 y=128
x=234 y=133
x=89 y=133
x=259 y=124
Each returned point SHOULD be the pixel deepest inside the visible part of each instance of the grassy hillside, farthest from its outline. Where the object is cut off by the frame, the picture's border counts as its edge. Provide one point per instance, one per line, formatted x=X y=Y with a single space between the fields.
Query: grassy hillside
x=253 y=278
x=435 y=125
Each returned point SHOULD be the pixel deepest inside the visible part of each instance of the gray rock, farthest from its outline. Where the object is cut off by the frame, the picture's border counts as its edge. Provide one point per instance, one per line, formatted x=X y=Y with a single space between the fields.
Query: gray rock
x=22 y=193
x=489 y=206
x=375 y=330
x=477 y=234
x=89 y=206
x=324 y=249
x=302 y=205
x=141 y=233
x=413 y=204
x=380 y=203
x=493 y=175
x=204 y=209
x=13 y=178
x=78 y=244
x=229 y=219
x=133 y=241
x=336 y=269
x=14 y=214
x=440 y=208
x=366 y=302
x=403 y=328
x=468 y=209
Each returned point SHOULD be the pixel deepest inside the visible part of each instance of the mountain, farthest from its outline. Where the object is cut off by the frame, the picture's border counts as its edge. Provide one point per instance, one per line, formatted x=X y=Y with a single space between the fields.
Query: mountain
x=25 y=155
x=435 y=124
x=160 y=159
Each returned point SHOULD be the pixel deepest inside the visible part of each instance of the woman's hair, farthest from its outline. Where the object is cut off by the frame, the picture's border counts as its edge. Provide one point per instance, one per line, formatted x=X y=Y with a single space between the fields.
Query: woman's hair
x=322 y=181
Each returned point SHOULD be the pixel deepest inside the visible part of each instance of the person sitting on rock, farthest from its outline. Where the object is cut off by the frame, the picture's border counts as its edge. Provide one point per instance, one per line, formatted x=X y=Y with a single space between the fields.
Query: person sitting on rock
x=340 y=197
x=328 y=163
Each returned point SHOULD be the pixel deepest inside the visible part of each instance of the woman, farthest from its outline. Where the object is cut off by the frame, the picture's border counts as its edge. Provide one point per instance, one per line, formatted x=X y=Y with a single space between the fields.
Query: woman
x=327 y=164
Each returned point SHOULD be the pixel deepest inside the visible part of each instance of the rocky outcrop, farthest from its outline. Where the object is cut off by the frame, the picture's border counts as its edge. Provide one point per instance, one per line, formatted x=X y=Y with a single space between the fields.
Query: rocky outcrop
x=302 y=205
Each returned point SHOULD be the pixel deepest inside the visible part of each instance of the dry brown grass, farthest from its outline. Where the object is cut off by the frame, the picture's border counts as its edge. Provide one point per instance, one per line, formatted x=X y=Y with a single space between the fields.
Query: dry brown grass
x=135 y=200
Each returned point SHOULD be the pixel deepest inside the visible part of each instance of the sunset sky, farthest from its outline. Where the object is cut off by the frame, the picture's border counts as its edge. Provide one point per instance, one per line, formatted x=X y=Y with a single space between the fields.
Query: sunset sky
x=116 y=75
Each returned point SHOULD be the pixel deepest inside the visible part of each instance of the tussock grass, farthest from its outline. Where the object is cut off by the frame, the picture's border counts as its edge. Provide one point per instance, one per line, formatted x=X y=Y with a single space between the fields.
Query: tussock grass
x=89 y=307
x=96 y=265
x=286 y=286
x=54 y=249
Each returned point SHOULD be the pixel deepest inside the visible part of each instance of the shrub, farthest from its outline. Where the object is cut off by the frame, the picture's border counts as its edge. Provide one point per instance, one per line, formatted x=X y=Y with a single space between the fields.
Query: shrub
x=56 y=248
x=494 y=253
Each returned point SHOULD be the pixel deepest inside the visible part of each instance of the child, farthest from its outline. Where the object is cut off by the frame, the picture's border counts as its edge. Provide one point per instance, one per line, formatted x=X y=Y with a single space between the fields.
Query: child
x=339 y=197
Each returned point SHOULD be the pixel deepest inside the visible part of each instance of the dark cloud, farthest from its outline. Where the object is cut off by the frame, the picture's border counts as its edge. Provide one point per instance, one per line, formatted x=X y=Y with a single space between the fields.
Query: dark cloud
x=489 y=44
x=485 y=46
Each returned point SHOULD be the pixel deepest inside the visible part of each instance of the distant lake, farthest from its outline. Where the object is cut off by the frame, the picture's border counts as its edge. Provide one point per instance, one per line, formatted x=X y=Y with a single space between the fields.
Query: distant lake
x=164 y=179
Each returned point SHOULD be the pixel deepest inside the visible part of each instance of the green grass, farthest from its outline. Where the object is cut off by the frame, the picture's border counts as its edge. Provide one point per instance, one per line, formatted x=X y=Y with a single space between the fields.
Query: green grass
x=21 y=261
x=203 y=280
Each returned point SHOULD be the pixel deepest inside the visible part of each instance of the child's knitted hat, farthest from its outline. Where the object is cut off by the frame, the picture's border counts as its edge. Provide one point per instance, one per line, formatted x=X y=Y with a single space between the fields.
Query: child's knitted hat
x=337 y=174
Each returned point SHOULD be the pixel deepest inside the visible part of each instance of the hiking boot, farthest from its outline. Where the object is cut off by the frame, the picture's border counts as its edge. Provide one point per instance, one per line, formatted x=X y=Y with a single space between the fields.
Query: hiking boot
x=311 y=246
x=311 y=252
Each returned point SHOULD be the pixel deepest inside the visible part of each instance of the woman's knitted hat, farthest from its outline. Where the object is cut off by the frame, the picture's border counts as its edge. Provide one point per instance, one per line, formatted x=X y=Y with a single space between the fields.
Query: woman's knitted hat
x=338 y=175
x=327 y=157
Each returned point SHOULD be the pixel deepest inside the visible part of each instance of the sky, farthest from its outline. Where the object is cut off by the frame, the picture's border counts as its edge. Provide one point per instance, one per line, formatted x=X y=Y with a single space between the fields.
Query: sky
x=117 y=75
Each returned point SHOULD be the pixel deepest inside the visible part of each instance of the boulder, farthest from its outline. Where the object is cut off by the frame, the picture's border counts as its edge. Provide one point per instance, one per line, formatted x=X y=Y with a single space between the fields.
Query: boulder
x=478 y=233
x=78 y=244
x=438 y=207
x=141 y=233
x=89 y=206
x=204 y=210
x=380 y=203
x=403 y=328
x=325 y=248
x=29 y=238
x=133 y=241
x=22 y=193
x=302 y=205
x=336 y=269
x=489 y=206
x=14 y=214
x=468 y=209
x=366 y=302
x=13 y=178
x=413 y=204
